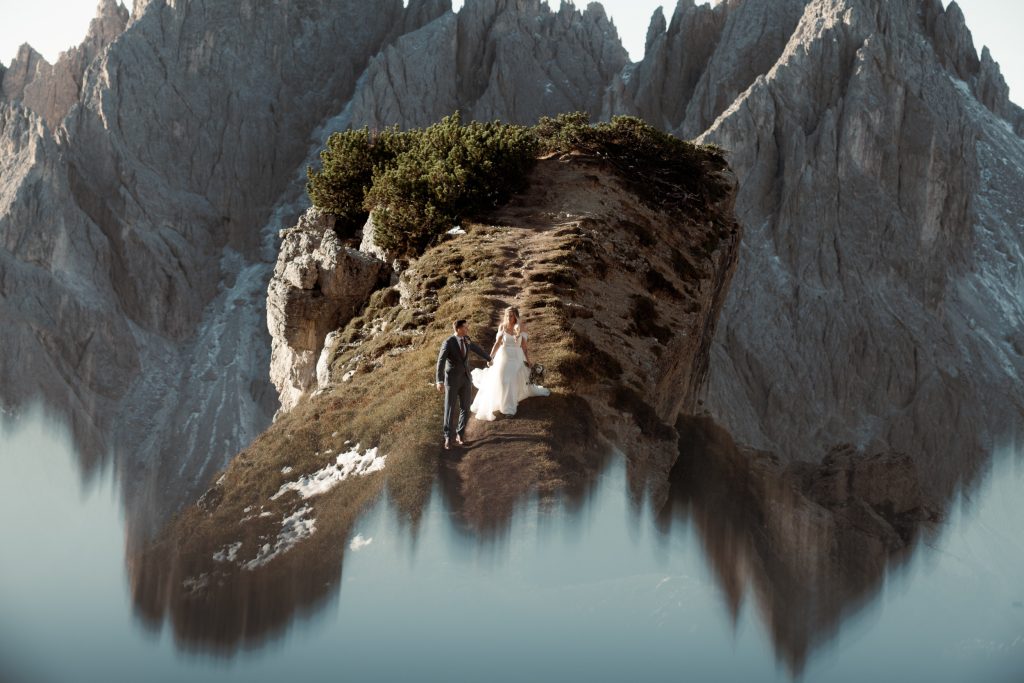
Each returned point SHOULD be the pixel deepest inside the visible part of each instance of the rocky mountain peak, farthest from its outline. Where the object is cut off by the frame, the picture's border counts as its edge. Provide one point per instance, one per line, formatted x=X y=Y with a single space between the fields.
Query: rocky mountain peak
x=705 y=58
x=655 y=29
x=110 y=20
x=21 y=72
x=515 y=60
x=953 y=42
x=421 y=12
x=51 y=90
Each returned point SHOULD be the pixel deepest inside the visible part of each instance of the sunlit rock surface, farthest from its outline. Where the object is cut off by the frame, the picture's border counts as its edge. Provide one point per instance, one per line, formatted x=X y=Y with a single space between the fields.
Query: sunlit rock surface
x=318 y=285
x=875 y=301
x=148 y=172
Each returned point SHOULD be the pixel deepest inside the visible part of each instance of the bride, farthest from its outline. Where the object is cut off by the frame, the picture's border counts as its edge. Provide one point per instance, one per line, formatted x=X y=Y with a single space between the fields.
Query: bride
x=505 y=382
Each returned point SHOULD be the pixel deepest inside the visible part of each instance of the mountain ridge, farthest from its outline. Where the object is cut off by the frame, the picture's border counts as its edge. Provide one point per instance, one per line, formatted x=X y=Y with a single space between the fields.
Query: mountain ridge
x=153 y=230
x=574 y=251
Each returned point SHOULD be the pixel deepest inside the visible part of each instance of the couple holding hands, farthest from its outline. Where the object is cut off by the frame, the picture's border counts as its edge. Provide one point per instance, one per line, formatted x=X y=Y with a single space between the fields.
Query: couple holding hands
x=500 y=386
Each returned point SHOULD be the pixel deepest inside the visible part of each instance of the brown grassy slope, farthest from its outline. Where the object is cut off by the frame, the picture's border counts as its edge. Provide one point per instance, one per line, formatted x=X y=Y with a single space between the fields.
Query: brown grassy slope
x=620 y=297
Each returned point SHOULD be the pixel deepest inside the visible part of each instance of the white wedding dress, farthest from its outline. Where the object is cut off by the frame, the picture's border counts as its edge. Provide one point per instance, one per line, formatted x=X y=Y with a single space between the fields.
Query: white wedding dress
x=505 y=383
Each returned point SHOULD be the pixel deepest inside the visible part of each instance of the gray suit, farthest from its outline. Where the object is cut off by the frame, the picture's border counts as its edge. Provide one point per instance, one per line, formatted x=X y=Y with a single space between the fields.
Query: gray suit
x=453 y=372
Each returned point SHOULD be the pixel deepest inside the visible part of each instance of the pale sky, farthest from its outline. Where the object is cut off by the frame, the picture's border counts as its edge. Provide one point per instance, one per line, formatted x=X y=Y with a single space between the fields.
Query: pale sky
x=54 y=25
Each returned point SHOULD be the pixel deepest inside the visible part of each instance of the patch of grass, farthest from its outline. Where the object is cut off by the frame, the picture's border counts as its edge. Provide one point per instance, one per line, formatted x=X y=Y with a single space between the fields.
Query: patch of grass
x=581 y=362
x=684 y=268
x=642 y=232
x=556 y=276
x=661 y=169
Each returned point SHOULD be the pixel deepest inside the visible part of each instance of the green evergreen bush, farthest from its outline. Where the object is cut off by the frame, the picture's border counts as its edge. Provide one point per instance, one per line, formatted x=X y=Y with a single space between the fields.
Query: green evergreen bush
x=419 y=183
x=347 y=165
x=661 y=168
x=449 y=171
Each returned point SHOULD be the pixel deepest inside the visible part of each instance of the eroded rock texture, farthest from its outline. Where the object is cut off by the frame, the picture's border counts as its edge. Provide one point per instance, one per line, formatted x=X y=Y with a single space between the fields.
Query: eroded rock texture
x=51 y=90
x=707 y=56
x=318 y=286
x=148 y=172
x=874 y=302
x=139 y=175
x=510 y=59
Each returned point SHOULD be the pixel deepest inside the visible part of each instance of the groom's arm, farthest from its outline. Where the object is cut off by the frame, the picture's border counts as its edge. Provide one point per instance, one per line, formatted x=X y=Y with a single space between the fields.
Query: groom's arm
x=442 y=356
x=478 y=350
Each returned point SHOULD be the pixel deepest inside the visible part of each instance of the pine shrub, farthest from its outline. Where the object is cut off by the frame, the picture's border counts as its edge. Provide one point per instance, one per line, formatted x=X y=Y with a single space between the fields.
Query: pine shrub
x=419 y=183
x=661 y=168
x=449 y=171
x=347 y=166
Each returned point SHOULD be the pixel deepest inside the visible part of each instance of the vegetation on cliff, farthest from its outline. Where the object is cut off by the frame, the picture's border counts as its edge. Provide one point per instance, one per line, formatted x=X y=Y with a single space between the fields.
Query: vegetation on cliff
x=620 y=291
x=419 y=183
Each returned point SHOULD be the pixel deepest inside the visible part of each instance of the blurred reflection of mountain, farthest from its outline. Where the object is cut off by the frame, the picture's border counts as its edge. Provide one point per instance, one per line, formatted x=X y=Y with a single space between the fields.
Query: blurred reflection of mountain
x=811 y=544
x=222 y=607
x=548 y=450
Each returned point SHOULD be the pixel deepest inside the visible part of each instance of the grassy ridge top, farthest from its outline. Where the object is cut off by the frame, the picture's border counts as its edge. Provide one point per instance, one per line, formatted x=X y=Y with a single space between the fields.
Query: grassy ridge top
x=418 y=183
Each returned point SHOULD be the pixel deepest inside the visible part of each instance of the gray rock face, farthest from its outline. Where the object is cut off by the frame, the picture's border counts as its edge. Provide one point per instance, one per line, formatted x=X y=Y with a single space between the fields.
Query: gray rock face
x=62 y=328
x=51 y=90
x=21 y=72
x=872 y=302
x=510 y=59
x=317 y=287
x=694 y=69
x=146 y=175
x=139 y=211
x=368 y=243
x=660 y=87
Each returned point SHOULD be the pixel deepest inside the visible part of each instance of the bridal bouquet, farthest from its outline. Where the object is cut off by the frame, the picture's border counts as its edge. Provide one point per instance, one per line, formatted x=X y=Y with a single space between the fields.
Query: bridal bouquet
x=537 y=374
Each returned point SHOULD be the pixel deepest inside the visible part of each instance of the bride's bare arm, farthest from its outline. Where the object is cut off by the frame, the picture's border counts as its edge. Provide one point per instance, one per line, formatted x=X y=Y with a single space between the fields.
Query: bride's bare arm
x=497 y=344
x=526 y=352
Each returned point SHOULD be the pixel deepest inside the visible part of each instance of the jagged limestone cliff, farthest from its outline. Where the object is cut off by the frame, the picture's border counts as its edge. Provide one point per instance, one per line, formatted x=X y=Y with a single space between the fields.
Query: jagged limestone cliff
x=509 y=59
x=138 y=174
x=876 y=298
x=880 y=160
x=874 y=302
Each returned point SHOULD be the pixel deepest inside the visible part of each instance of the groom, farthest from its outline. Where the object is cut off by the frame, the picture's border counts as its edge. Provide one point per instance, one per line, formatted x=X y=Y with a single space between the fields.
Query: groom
x=454 y=379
